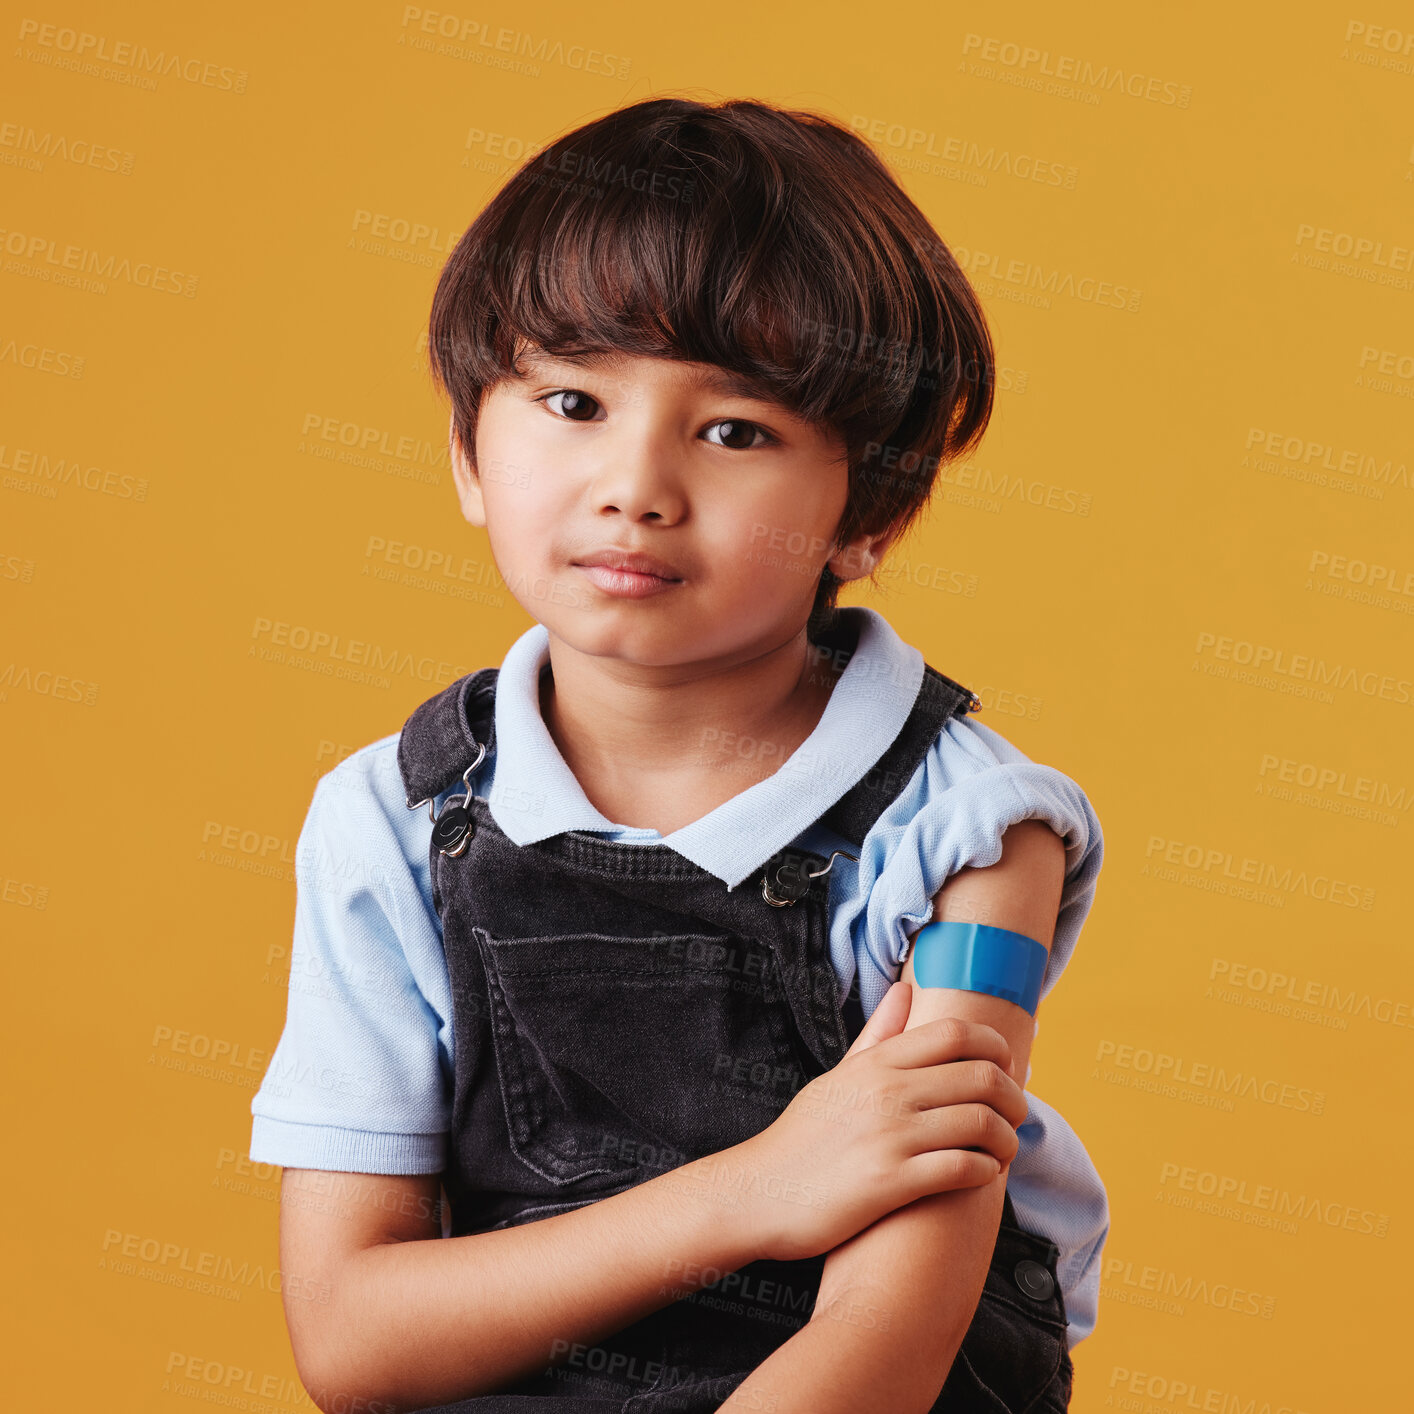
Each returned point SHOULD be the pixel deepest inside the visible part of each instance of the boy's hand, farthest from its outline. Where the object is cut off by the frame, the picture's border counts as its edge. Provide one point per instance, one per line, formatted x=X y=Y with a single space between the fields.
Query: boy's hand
x=902 y=1115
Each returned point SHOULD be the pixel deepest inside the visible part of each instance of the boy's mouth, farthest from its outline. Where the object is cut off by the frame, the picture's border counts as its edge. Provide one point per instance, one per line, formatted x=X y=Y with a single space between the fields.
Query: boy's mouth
x=628 y=574
x=632 y=562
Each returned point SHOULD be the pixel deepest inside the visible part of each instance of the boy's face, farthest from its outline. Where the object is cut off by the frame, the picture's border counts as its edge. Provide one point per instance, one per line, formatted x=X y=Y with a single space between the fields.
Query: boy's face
x=734 y=495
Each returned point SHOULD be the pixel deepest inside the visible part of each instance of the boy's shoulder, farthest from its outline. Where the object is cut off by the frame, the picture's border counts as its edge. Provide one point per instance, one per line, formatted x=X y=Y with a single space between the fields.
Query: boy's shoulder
x=365 y=771
x=359 y=828
x=969 y=746
x=363 y=794
x=972 y=753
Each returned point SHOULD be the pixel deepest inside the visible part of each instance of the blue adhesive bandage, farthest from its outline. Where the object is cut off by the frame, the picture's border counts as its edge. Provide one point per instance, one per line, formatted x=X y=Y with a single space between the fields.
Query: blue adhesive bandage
x=976 y=957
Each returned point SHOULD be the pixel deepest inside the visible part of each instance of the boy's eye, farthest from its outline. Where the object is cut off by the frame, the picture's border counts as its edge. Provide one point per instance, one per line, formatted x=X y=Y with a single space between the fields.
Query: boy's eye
x=736 y=430
x=575 y=405
x=578 y=406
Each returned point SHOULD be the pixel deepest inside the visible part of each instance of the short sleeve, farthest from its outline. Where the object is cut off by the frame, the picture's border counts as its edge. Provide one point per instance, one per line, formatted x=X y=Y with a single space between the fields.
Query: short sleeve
x=360 y=1079
x=972 y=785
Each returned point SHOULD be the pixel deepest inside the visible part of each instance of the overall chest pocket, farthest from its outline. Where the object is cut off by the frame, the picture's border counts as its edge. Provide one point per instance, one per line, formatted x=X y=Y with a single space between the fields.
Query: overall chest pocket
x=623 y=1054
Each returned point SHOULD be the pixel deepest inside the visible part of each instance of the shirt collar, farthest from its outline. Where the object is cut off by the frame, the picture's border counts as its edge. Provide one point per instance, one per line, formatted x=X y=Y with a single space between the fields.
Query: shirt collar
x=534 y=794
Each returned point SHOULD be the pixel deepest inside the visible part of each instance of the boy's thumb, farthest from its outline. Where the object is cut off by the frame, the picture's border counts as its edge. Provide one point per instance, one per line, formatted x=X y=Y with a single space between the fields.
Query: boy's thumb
x=887 y=1019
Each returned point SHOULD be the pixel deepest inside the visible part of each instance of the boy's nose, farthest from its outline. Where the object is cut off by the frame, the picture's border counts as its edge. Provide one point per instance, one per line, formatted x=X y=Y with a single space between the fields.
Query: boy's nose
x=639 y=479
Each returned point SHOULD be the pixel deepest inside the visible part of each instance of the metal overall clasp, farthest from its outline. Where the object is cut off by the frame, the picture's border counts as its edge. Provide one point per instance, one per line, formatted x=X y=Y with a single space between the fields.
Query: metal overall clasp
x=789 y=882
x=453 y=828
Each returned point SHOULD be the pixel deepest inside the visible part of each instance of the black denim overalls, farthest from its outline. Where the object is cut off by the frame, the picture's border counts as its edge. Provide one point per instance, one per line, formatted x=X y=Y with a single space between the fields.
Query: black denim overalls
x=618 y=1012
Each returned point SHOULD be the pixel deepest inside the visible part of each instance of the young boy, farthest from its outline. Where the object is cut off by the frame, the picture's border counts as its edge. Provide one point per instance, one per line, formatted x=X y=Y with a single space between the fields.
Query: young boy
x=641 y=999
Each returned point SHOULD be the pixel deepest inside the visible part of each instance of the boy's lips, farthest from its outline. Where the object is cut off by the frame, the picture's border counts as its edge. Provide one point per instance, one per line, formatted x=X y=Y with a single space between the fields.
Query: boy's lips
x=632 y=561
x=628 y=574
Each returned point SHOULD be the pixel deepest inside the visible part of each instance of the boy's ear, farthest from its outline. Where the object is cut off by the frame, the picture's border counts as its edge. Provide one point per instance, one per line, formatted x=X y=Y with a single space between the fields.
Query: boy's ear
x=464 y=476
x=861 y=556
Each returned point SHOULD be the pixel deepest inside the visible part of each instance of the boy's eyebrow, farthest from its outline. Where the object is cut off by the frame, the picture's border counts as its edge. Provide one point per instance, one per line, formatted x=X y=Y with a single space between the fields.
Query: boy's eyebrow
x=710 y=377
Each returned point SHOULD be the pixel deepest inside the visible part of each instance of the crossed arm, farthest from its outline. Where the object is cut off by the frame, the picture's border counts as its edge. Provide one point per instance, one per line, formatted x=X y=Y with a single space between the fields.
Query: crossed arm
x=896 y=1299
x=381 y=1307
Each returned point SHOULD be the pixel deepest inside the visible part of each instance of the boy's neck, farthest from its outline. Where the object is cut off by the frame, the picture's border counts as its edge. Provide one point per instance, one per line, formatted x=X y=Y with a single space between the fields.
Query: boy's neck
x=659 y=751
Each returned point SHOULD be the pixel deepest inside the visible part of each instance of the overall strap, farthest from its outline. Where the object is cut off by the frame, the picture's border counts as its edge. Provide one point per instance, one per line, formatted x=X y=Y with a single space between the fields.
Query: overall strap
x=853 y=815
x=442 y=737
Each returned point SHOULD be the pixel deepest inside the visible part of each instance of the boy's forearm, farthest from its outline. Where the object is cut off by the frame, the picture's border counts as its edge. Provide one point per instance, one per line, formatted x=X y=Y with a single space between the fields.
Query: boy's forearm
x=427 y=1322
x=895 y=1302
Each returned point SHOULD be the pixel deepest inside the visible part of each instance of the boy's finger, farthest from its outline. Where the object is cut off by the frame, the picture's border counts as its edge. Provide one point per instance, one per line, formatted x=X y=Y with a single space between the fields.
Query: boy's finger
x=887 y=1019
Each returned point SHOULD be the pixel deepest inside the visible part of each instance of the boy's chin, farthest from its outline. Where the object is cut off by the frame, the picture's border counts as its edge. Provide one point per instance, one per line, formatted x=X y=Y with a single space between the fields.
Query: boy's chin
x=622 y=630
x=650 y=635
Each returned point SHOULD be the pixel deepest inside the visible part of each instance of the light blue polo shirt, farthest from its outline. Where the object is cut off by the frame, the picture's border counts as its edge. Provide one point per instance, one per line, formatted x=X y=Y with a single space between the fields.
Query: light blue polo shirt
x=361 y=1078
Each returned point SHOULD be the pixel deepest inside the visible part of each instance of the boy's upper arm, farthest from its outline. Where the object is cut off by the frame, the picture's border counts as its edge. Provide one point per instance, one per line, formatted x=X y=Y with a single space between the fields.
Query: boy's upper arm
x=1022 y=892
x=326 y=1219
x=332 y=1215
x=944 y=831
x=359 y=1080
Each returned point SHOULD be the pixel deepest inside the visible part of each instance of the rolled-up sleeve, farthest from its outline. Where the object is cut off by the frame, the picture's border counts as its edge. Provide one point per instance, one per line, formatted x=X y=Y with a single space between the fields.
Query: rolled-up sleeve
x=359 y=1081
x=971 y=786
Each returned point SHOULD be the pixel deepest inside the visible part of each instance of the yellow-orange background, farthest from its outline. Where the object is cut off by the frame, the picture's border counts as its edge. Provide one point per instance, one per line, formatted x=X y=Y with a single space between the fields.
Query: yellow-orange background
x=167 y=487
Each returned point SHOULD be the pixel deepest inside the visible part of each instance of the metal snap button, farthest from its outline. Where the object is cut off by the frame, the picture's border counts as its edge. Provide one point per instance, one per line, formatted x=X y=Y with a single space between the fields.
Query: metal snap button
x=454 y=828
x=1034 y=1279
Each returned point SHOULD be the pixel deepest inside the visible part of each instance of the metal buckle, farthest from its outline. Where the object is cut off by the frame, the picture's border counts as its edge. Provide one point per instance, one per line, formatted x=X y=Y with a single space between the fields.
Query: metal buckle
x=431 y=809
x=794 y=879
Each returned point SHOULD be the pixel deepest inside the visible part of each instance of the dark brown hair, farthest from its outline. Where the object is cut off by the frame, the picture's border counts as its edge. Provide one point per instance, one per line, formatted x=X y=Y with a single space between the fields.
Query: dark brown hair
x=773 y=243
